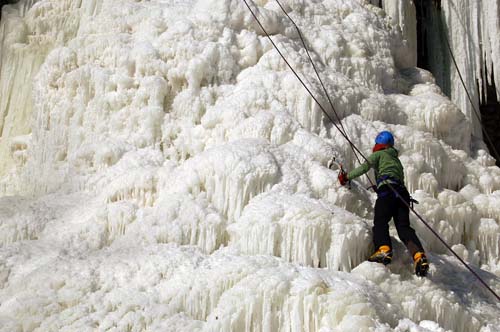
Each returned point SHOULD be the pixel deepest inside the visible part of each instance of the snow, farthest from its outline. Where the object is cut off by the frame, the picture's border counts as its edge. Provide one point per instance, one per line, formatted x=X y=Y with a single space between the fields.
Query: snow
x=163 y=170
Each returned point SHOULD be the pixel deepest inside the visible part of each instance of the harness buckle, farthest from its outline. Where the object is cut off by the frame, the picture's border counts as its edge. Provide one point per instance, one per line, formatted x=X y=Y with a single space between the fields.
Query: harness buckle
x=413 y=201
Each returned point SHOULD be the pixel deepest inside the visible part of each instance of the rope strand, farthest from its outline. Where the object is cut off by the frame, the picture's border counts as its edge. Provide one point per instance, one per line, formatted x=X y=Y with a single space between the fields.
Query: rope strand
x=443 y=241
x=475 y=111
x=302 y=39
x=354 y=147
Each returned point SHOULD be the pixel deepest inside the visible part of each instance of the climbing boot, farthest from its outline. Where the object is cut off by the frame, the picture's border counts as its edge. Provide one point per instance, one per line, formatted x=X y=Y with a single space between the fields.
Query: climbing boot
x=421 y=264
x=382 y=255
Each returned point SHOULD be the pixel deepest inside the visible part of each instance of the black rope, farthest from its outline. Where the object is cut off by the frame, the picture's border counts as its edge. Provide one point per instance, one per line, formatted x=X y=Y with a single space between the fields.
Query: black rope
x=443 y=241
x=353 y=146
x=475 y=111
x=302 y=39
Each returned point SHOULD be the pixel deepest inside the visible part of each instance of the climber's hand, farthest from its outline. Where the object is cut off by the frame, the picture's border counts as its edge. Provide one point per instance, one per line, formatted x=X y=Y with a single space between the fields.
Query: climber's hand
x=343 y=178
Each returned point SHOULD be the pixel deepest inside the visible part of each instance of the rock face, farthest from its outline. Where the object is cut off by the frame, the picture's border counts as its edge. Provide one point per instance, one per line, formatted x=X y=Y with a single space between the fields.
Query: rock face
x=490 y=114
x=472 y=29
x=163 y=170
x=5 y=2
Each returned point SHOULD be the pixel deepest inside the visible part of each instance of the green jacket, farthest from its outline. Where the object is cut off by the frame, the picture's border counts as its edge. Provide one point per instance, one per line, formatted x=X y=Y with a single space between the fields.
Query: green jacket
x=385 y=163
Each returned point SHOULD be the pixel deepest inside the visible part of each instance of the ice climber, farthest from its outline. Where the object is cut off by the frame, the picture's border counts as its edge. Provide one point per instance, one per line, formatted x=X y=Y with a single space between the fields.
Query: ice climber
x=388 y=170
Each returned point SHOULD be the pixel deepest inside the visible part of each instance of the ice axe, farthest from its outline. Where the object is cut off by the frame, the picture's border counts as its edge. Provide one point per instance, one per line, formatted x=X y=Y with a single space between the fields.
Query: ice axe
x=332 y=162
x=339 y=165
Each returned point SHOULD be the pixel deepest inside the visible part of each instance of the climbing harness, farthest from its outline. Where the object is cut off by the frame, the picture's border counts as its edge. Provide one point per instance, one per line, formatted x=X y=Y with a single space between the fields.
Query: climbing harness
x=386 y=179
x=356 y=149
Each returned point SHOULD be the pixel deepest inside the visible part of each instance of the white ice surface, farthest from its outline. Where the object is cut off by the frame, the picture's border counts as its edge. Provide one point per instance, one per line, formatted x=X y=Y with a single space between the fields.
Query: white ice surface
x=167 y=172
x=473 y=30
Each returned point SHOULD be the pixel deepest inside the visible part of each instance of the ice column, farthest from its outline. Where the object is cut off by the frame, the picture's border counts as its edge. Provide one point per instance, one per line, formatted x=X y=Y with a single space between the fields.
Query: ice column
x=26 y=39
x=403 y=12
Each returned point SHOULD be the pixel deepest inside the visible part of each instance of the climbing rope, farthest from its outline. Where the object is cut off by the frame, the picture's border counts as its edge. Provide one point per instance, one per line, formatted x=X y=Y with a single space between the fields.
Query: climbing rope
x=444 y=36
x=355 y=148
x=437 y=4
x=302 y=39
x=444 y=242
x=475 y=111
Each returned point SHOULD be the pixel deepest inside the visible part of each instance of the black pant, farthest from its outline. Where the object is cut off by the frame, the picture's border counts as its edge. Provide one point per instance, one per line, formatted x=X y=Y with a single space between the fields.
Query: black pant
x=389 y=206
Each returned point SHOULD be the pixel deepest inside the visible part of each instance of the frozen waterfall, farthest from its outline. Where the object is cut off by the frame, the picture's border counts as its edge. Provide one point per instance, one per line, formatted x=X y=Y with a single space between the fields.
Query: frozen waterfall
x=161 y=169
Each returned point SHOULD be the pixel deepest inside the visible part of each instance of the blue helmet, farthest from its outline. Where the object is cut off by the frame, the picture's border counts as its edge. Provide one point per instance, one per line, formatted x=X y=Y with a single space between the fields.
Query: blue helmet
x=384 y=137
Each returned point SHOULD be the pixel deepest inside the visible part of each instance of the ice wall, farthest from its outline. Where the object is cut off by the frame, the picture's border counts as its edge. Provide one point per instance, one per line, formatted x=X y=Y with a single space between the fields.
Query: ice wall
x=173 y=174
x=473 y=31
x=29 y=30
x=403 y=14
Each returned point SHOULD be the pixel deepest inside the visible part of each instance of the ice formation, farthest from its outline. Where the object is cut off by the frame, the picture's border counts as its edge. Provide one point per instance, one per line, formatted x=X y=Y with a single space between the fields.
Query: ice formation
x=472 y=29
x=163 y=170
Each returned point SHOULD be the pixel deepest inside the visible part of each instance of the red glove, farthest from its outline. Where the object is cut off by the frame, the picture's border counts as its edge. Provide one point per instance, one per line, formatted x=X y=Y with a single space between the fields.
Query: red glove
x=343 y=178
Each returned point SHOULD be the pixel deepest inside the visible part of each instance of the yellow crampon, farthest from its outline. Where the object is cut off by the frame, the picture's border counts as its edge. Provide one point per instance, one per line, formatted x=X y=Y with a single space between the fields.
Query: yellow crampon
x=382 y=255
x=421 y=264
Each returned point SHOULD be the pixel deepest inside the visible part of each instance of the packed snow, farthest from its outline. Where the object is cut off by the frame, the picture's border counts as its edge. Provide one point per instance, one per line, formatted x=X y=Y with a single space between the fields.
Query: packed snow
x=163 y=170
